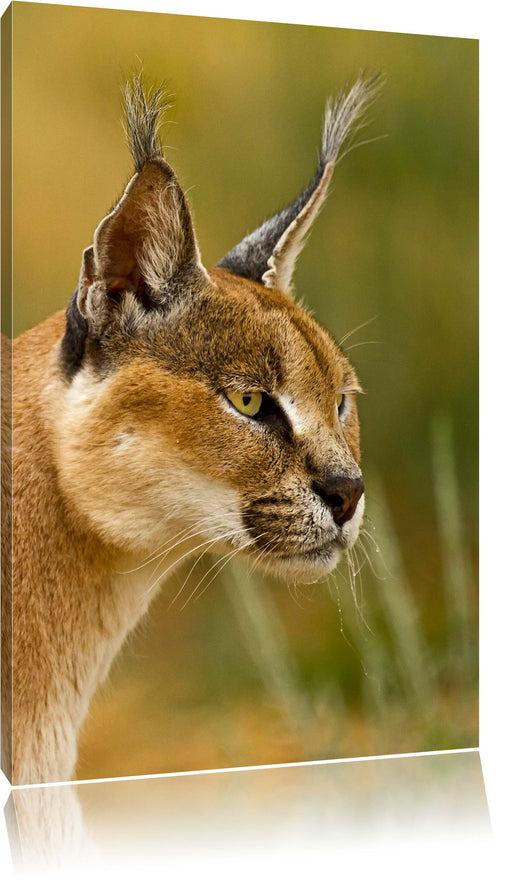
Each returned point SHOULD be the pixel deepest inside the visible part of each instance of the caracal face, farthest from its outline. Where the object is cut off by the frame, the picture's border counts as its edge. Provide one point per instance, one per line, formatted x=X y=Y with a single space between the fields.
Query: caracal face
x=151 y=440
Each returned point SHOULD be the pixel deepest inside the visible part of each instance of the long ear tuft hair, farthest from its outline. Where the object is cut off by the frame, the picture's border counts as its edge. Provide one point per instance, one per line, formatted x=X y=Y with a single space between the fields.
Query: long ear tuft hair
x=268 y=254
x=345 y=115
x=144 y=251
x=143 y=117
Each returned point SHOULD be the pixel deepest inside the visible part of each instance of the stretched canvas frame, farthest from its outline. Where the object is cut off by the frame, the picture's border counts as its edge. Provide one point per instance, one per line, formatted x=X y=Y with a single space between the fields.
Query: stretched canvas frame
x=259 y=614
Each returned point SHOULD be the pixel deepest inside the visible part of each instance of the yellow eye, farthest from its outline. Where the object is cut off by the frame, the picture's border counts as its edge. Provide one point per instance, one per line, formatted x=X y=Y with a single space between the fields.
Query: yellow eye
x=340 y=403
x=248 y=403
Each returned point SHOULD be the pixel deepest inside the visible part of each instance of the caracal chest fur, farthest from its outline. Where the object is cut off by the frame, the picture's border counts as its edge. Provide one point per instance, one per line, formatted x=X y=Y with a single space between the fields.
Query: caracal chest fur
x=170 y=410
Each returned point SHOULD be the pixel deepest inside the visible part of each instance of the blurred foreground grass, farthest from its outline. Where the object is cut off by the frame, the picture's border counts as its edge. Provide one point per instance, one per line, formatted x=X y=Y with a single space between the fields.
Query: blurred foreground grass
x=265 y=698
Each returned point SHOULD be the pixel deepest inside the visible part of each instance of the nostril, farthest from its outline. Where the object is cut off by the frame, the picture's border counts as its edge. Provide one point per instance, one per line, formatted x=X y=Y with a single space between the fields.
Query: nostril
x=341 y=494
x=335 y=501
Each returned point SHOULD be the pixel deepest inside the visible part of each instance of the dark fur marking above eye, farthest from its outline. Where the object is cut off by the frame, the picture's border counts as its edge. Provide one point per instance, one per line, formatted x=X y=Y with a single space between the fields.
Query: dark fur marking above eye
x=271 y=415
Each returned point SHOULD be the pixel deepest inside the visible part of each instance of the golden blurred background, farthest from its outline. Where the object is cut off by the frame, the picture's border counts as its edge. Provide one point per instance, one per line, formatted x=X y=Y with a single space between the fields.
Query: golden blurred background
x=252 y=672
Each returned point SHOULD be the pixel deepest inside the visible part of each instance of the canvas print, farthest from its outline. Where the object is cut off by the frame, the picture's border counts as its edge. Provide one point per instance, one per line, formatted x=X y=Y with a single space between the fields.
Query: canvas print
x=239 y=412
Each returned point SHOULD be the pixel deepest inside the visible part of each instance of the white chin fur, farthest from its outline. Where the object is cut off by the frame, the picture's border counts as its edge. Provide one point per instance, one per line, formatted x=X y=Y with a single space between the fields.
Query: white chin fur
x=302 y=568
x=314 y=567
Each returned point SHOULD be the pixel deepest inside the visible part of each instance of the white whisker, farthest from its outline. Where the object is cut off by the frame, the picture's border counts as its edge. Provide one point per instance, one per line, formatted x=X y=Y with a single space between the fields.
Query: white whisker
x=178 y=538
x=210 y=542
x=355 y=330
x=223 y=561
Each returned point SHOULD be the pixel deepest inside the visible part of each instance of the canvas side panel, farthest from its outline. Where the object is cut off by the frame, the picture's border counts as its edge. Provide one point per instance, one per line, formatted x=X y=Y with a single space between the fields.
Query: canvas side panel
x=6 y=358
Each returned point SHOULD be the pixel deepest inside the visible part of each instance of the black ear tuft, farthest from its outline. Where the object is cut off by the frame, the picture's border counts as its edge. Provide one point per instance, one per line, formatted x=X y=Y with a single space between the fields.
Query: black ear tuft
x=251 y=256
x=268 y=254
x=144 y=111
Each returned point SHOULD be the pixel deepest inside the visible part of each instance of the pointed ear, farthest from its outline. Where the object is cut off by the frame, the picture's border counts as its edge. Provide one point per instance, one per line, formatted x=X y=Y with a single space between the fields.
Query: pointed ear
x=281 y=262
x=145 y=251
x=146 y=246
x=268 y=254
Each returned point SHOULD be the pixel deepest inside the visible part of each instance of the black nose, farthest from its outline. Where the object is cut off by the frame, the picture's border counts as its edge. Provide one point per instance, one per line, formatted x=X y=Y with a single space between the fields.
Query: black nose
x=341 y=493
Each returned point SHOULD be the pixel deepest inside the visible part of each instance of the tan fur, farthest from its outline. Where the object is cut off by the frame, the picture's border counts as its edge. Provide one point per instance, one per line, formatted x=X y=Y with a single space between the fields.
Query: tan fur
x=134 y=447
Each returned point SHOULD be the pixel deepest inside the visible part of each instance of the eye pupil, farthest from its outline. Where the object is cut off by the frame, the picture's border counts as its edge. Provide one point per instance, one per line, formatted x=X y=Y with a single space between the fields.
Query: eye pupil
x=248 y=403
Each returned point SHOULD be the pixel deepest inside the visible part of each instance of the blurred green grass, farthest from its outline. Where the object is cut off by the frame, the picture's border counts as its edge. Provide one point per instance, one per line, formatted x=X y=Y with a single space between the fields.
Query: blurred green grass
x=397 y=244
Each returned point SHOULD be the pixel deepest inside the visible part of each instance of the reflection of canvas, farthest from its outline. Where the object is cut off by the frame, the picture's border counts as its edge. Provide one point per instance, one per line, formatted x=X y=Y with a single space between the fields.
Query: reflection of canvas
x=290 y=814
x=233 y=667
